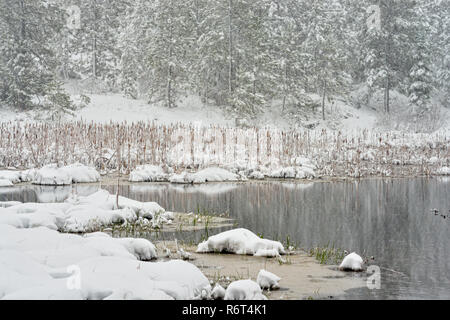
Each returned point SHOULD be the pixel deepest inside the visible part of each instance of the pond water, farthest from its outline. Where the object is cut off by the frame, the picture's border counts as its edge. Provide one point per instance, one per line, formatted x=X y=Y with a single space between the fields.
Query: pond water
x=390 y=219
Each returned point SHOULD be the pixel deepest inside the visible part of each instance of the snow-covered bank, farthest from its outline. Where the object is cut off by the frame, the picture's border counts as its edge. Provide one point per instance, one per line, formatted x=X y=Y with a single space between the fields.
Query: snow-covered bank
x=52 y=175
x=80 y=214
x=39 y=262
x=253 y=153
x=150 y=173
x=76 y=173
x=241 y=241
x=43 y=264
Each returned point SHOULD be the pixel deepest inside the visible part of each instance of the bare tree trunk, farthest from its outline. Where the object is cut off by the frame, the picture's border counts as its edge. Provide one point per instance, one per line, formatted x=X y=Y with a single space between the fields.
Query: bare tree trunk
x=285 y=85
x=169 y=70
x=230 y=47
x=388 y=85
x=94 y=41
x=94 y=57
x=323 y=100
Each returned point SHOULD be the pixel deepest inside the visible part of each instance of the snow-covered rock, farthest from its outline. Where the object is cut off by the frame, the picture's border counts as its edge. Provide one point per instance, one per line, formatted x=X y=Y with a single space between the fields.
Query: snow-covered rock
x=240 y=241
x=218 y=293
x=267 y=280
x=148 y=173
x=352 y=262
x=244 y=290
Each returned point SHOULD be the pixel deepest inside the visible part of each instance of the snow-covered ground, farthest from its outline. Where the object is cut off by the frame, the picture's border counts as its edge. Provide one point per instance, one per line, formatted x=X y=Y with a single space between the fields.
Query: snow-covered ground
x=340 y=114
x=39 y=262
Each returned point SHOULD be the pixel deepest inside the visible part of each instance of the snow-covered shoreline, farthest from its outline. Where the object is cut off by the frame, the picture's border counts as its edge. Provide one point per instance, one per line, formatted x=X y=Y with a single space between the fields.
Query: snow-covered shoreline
x=190 y=148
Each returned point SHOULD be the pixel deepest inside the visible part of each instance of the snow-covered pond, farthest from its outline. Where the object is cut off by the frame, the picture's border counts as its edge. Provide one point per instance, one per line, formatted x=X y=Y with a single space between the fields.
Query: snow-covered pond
x=391 y=219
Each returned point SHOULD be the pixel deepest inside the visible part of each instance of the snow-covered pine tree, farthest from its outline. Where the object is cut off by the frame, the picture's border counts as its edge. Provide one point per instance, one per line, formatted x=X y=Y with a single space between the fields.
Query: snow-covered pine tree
x=133 y=42
x=388 y=51
x=28 y=63
x=440 y=46
x=94 y=49
x=325 y=44
x=170 y=41
x=421 y=78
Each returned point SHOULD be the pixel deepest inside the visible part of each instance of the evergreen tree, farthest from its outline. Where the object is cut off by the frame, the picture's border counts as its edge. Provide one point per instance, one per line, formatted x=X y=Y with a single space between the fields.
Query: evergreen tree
x=26 y=58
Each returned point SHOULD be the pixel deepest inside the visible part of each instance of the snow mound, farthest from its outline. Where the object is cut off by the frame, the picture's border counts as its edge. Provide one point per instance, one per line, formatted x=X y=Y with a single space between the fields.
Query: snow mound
x=88 y=218
x=52 y=175
x=352 y=262
x=7 y=204
x=174 y=279
x=214 y=175
x=80 y=214
x=218 y=292
x=41 y=264
x=267 y=280
x=6 y=183
x=444 y=171
x=148 y=173
x=146 y=210
x=16 y=176
x=206 y=175
x=293 y=173
x=11 y=176
x=240 y=241
x=244 y=290
x=81 y=173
